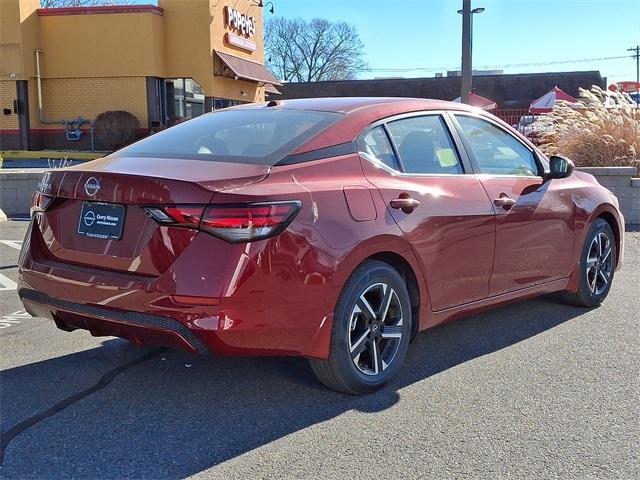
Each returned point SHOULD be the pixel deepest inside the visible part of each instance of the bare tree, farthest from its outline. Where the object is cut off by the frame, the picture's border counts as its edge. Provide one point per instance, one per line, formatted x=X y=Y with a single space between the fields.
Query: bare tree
x=80 y=3
x=306 y=51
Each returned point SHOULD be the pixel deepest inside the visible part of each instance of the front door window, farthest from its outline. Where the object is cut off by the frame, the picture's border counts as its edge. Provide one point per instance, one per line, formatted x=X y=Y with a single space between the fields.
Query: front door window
x=496 y=151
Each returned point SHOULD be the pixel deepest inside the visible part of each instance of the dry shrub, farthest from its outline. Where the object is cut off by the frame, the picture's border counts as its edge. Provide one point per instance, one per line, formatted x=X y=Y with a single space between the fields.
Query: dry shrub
x=603 y=131
x=116 y=128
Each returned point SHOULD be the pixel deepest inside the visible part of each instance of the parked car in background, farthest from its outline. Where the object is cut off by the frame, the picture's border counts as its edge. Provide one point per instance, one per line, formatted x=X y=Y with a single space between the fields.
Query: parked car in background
x=333 y=229
x=529 y=126
x=525 y=124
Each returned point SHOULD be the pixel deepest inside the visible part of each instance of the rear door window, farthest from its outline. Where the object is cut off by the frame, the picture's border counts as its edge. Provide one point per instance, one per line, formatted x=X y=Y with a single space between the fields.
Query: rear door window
x=249 y=135
x=425 y=145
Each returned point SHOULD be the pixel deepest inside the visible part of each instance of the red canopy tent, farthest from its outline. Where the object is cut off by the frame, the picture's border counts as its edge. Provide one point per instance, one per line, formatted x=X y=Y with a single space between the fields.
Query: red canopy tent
x=546 y=102
x=480 y=101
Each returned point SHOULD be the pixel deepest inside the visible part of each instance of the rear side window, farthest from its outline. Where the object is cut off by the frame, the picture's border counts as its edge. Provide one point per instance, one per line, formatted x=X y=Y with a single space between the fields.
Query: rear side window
x=496 y=151
x=424 y=145
x=255 y=136
x=376 y=144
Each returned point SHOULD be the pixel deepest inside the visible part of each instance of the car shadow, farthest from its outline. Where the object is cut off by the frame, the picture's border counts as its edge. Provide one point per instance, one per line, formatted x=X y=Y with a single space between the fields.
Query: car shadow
x=176 y=414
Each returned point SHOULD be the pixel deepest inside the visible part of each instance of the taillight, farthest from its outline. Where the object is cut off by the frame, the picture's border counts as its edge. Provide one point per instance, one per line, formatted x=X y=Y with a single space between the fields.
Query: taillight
x=40 y=202
x=234 y=223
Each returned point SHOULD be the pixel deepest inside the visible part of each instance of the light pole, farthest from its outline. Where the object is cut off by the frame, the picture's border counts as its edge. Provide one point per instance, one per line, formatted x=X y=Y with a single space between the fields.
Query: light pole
x=636 y=49
x=467 y=40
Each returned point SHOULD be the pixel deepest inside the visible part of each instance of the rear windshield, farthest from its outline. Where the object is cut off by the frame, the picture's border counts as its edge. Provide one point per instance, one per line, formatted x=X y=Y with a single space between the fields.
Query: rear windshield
x=255 y=136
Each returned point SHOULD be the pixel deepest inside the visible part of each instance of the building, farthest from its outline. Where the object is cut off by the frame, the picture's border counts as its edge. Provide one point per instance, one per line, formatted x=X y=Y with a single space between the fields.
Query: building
x=515 y=91
x=458 y=73
x=60 y=68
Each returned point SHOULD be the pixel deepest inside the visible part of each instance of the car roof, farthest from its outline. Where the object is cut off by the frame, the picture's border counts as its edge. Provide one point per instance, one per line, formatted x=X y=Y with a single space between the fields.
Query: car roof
x=360 y=112
x=347 y=105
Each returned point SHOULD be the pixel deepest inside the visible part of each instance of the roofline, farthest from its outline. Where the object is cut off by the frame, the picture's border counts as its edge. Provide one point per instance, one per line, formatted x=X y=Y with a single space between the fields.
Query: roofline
x=358 y=104
x=53 y=12
x=416 y=79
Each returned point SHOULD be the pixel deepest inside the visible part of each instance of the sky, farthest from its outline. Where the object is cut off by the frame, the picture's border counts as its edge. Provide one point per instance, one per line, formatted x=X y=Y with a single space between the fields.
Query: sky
x=410 y=34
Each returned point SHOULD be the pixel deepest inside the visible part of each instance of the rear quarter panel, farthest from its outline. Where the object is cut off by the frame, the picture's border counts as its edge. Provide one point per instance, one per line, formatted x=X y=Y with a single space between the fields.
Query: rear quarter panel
x=313 y=258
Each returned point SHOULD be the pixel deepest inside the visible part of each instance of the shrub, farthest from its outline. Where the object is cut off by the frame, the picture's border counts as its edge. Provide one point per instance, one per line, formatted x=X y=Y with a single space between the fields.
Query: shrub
x=117 y=128
x=603 y=130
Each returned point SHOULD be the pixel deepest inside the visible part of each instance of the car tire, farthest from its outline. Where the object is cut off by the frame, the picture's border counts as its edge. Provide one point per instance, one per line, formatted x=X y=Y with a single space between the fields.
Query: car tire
x=596 y=268
x=371 y=331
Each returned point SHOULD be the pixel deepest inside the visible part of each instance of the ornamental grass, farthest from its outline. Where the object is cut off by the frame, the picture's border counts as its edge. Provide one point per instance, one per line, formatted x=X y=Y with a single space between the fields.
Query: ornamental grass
x=601 y=130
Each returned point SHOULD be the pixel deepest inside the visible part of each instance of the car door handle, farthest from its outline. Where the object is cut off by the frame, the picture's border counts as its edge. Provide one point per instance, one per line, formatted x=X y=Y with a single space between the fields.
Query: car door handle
x=504 y=201
x=407 y=205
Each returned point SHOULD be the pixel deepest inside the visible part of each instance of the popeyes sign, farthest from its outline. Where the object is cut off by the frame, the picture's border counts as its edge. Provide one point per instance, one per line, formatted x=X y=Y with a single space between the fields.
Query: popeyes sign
x=239 y=22
x=626 y=87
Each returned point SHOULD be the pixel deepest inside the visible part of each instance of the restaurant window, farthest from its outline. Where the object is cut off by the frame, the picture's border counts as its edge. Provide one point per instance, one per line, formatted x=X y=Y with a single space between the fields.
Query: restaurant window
x=220 y=103
x=184 y=100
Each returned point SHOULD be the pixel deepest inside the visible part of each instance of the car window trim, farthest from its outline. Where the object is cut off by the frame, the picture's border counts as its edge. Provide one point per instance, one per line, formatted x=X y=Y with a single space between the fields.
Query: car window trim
x=394 y=147
x=338 y=150
x=465 y=162
x=471 y=154
x=361 y=146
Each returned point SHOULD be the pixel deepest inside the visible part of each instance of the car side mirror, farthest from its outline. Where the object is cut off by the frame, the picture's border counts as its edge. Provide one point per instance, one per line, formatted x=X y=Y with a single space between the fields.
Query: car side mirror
x=559 y=167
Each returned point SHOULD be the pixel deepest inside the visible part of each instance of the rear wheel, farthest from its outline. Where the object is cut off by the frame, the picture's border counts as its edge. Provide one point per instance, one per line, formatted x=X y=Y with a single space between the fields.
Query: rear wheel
x=371 y=331
x=597 y=266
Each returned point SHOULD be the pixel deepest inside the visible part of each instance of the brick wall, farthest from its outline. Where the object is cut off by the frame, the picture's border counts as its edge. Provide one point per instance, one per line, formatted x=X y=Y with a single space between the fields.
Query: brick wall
x=68 y=98
x=509 y=91
x=7 y=95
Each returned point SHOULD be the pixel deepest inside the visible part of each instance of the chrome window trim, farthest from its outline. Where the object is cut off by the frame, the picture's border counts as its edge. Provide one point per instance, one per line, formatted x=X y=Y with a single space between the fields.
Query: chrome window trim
x=378 y=163
x=506 y=175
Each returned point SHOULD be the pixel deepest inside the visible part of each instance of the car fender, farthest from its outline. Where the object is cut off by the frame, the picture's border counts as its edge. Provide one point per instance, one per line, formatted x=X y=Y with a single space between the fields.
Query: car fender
x=582 y=222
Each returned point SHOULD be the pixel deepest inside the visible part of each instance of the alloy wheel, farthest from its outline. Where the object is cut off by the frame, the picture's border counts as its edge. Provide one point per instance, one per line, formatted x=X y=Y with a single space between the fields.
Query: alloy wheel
x=599 y=264
x=375 y=329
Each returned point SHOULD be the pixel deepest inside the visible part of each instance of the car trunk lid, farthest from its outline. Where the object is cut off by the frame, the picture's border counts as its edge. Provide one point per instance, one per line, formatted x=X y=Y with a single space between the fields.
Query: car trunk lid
x=144 y=247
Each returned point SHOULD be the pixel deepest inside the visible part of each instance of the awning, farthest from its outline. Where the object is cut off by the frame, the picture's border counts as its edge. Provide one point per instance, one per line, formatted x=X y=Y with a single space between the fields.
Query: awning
x=247 y=69
x=476 y=100
x=546 y=102
x=271 y=89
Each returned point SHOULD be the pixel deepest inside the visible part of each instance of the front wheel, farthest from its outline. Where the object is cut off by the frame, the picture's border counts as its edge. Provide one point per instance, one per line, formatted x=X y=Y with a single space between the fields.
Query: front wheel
x=597 y=266
x=371 y=331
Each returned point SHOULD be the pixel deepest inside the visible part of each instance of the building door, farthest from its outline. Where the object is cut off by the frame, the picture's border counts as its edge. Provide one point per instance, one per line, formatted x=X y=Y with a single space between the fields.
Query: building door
x=21 y=107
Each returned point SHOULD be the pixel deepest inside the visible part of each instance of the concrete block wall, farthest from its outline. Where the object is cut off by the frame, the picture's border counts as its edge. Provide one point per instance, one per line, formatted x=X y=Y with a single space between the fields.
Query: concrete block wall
x=17 y=187
x=621 y=181
x=16 y=190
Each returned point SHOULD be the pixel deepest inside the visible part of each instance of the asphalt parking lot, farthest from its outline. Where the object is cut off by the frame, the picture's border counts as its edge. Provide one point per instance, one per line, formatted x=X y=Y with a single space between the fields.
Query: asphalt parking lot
x=536 y=389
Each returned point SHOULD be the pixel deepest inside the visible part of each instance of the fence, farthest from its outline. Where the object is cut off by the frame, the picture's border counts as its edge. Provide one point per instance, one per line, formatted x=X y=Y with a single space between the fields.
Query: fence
x=522 y=120
x=512 y=116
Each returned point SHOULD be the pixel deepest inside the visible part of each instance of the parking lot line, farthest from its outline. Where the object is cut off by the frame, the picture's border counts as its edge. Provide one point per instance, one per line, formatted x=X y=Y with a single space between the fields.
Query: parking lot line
x=14 y=318
x=17 y=244
x=7 y=284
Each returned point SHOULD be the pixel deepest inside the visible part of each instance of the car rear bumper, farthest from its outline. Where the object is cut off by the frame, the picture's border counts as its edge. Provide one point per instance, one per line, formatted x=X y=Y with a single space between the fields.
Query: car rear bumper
x=139 y=328
x=264 y=303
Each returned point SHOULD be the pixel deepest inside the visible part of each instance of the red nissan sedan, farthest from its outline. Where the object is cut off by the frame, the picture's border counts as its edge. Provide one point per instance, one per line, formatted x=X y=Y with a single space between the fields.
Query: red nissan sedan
x=333 y=229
